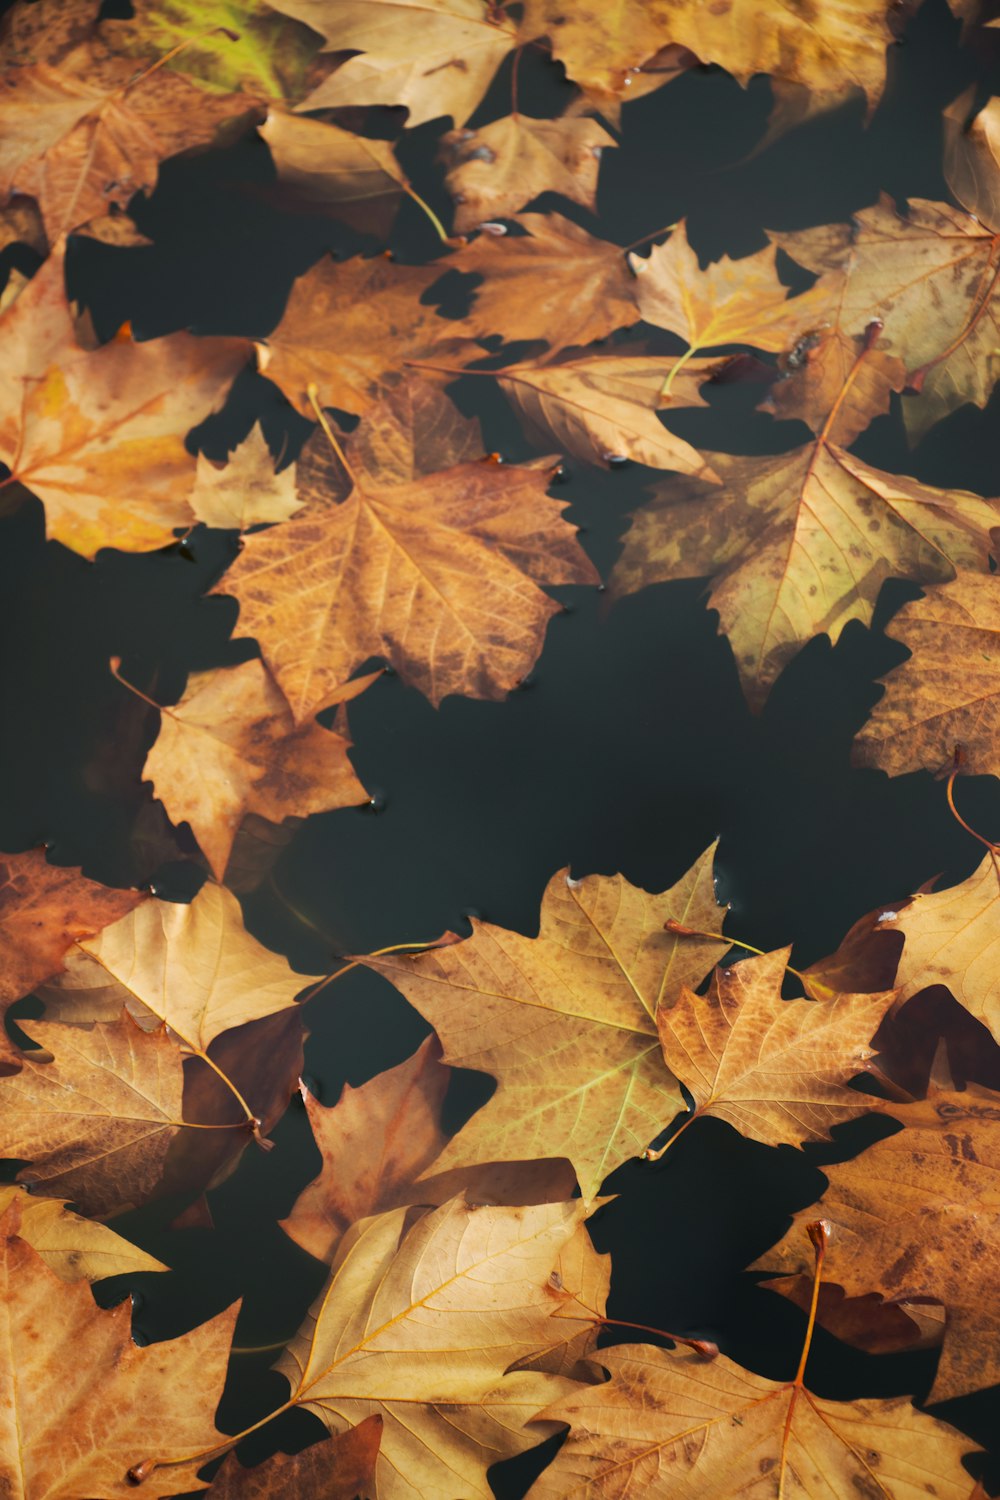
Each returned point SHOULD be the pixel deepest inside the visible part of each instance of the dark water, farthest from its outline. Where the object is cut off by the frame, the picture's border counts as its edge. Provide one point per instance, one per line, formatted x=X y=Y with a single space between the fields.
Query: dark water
x=630 y=748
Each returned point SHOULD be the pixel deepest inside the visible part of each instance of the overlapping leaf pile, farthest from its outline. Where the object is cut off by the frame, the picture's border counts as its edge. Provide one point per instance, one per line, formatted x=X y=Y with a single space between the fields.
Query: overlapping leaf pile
x=458 y=1325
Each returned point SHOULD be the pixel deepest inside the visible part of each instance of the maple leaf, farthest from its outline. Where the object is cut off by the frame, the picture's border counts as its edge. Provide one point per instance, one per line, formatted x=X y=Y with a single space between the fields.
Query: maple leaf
x=497 y=169
x=421 y=1328
x=731 y=302
x=375 y=1142
x=82 y=1398
x=566 y=1021
x=667 y=1424
x=439 y=574
x=601 y=46
x=317 y=341
x=930 y=280
x=556 y=282
x=334 y=1469
x=914 y=1218
x=96 y=1122
x=836 y=381
x=952 y=937
x=230 y=747
x=776 y=1070
x=603 y=406
x=378 y=1139
x=358 y=180
x=799 y=544
x=196 y=969
x=947 y=694
x=91 y=130
x=44 y=910
x=74 y=1248
x=222 y=45
x=245 y=491
x=97 y=434
x=435 y=57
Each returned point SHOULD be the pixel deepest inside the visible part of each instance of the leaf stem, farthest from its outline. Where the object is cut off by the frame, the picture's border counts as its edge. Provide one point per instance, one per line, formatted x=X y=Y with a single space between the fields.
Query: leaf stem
x=141 y=1471
x=115 y=666
x=988 y=843
x=673 y=926
x=819 y=1234
x=356 y=963
x=707 y=1348
x=679 y=364
x=667 y=229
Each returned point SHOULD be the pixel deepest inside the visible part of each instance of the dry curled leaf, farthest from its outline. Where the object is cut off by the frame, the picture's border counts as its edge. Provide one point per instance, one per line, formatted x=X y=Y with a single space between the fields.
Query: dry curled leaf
x=355 y=179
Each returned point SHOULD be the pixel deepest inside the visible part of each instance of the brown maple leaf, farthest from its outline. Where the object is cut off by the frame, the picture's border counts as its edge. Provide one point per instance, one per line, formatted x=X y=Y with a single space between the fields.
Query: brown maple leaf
x=440 y=573
x=433 y=56
x=566 y=1021
x=83 y=1398
x=91 y=130
x=379 y=1139
x=777 y=1070
x=799 y=544
x=556 y=282
x=230 y=747
x=497 y=169
x=44 y=910
x=930 y=279
x=829 y=52
x=333 y=1469
x=602 y=407
x=98 y=434
x=946 y=696
x=348 y=327
x=914 y=1218
x=97 y=1119
x=668 y=1425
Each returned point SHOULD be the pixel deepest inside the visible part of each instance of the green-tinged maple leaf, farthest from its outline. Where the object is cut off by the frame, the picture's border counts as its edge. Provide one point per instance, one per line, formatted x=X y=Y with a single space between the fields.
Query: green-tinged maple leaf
x=566 y=1021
